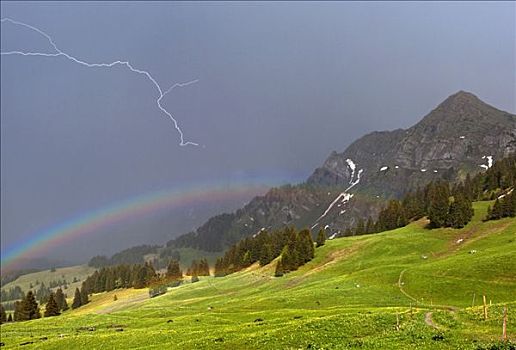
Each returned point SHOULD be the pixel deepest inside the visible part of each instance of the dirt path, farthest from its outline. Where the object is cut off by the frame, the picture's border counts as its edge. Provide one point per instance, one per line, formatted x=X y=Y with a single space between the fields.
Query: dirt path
x=400 y=286
x=429 y=320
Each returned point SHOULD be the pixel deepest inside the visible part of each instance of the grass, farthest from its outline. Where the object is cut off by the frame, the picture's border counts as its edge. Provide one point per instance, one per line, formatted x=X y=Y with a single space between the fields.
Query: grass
x=65 y=273
x=349 y=296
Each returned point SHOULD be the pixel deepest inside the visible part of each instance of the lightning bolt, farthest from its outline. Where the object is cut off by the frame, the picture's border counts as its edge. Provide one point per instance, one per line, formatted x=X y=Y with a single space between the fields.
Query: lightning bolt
x=59 y=53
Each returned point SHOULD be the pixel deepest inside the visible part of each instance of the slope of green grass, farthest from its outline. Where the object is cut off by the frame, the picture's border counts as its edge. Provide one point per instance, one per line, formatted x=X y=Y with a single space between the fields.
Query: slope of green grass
x=350 y=295
x=80 y=272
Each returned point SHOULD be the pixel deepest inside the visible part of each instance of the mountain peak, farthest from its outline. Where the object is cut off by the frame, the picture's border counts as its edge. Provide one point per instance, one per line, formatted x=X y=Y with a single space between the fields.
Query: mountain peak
x=463 y=107
x=460 y=99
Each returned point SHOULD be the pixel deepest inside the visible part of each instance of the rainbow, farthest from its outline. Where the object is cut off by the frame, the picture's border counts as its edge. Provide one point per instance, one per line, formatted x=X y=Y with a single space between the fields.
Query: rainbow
x=118 y=212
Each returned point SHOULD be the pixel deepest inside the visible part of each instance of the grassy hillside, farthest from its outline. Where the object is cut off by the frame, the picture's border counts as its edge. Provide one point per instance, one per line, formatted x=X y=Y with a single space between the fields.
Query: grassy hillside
x=350 y=295
x=80 y=272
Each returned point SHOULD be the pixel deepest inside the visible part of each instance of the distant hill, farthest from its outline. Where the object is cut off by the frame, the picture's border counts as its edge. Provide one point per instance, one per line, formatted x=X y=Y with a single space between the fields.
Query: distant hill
x=461 y=135
x=28 y=265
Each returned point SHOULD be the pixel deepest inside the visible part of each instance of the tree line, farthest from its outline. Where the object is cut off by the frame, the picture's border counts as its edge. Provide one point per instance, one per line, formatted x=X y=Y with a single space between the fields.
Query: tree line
x=28 y=308
x=136 y=276
x=294 y=248
x=199 y=268
x=120 y=276
x=503 y=207
x=14 y=293
x=446 y=204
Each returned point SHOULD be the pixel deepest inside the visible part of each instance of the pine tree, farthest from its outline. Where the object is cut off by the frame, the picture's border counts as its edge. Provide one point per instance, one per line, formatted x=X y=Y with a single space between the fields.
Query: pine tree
x=3 y=315
x=61 y=300
x=497 y=211
x=246 y=259
x=287 y=262
x=51 y=309
x=150 y=273
x=266 y=254
x=110 y=281
x=438 y=204
x=220 y=269
x=174 y=272
x=18 y=311
x=84 y=295
x=280 y=270
x=321 y=238
x=77 y=300
x=204 y=267
x=305 y=247
x=194 y=268
x=30 y=307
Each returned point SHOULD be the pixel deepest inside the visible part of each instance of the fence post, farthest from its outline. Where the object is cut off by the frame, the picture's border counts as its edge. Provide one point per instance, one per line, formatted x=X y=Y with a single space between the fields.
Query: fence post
x=504 y=327
x=485 y=307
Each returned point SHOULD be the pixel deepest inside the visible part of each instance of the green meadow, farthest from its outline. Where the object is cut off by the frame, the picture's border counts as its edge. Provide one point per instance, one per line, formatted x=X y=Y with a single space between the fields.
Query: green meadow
x=79 y=273
x=407 y=288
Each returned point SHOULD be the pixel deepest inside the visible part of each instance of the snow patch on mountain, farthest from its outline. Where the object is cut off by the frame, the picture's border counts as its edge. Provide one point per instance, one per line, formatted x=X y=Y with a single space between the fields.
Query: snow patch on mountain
x=489 y=162
x=505 y=194
x=344 y=196
x=352 y=166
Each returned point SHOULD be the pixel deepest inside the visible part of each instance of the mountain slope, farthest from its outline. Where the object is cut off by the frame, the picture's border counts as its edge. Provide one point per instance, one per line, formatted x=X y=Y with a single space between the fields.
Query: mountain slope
x=463 y=135
x=350 y=295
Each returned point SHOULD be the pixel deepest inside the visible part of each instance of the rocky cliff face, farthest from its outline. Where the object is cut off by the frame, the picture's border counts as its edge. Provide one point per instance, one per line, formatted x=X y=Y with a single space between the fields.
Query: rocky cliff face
x=462 y=135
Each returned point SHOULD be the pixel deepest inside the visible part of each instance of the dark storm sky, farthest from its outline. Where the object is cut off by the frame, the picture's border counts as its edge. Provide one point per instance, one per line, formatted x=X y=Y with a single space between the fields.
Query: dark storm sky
x=280 y=86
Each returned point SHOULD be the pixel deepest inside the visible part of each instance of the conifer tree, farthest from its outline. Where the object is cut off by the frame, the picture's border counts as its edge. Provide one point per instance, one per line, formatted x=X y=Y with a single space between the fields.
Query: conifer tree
x=246 y=259
x=61 y=300
x=174 y=272
x=30 y=307
x=84 y=295
x=280 y=270
x=150 y=273
x=287 y=262
x=194 y=268
x=219 y=268
x=304 y=247
x=321 y=238
x=18 y=311
x=438 y=204
x=496 y=211
x=51 y=309
x=461 y=211
x=266 y=254
x=204 y=267
x=77 y=300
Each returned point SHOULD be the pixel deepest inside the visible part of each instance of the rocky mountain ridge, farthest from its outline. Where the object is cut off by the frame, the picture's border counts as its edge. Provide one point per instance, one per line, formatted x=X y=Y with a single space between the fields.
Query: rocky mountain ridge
x=462 y=135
